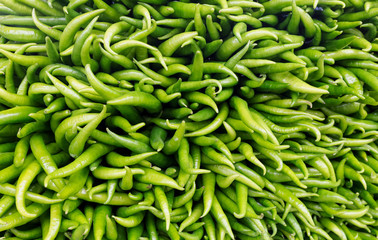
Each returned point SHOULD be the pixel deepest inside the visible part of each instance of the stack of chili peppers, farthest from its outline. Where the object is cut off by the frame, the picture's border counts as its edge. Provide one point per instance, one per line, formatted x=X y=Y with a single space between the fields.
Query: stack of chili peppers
x=209 y=119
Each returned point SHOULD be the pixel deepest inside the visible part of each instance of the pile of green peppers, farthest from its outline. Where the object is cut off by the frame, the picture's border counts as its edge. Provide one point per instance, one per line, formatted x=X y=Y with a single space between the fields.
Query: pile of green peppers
x=208 y=119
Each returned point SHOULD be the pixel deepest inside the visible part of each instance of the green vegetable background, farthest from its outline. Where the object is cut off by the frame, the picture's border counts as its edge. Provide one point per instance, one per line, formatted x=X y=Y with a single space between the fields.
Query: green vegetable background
x=208 y=119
